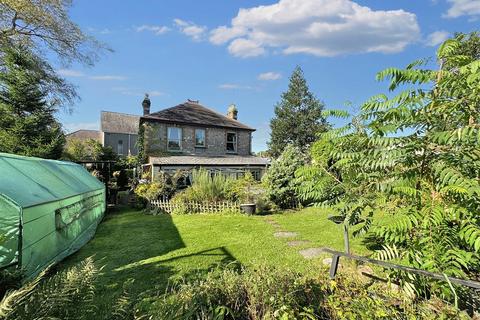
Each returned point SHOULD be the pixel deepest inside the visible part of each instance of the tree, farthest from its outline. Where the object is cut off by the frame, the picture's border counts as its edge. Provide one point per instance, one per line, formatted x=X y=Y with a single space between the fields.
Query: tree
x=44 y=24
x=27 y=122
x=279 y=184
x=420 y=155
x=38 y=23
x=89 y=150
x=298 y=117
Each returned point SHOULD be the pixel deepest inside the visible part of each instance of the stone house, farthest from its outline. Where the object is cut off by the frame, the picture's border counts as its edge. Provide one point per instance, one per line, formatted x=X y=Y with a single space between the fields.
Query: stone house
x=191 y=135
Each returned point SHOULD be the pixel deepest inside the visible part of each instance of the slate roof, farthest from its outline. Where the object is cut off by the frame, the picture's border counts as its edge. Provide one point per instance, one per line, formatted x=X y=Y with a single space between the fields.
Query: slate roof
x=191 y=112
x=83 y=135
x=210 y=160
x=115 y=122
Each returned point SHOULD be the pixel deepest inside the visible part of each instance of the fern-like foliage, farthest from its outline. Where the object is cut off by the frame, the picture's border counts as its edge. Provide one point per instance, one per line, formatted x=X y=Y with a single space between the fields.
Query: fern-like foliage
x=419 y=150
x=66 y=295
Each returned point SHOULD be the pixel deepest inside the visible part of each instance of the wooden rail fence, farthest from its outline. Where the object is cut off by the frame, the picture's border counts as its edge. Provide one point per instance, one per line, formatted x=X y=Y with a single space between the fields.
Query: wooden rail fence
x=195 y=207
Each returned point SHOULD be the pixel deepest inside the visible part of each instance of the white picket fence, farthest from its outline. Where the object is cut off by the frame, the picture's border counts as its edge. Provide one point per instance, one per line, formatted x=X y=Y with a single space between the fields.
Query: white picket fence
x=195 y=207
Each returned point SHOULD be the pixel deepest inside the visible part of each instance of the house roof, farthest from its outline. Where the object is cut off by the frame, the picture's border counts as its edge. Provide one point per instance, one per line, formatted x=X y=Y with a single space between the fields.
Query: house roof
x=192 y=112
x=210 y=161
x=116 y=122
x=84 y=134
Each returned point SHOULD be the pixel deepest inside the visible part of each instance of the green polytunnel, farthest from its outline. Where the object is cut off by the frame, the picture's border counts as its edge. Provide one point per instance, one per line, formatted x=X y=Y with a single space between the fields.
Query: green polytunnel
x=48 y=210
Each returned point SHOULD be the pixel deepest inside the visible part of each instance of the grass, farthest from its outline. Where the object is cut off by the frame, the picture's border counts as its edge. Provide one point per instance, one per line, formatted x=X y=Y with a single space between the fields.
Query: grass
x=148 y=251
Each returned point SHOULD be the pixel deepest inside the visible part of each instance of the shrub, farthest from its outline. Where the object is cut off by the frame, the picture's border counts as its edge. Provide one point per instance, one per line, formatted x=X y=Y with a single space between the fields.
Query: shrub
x=150 y=191
x=207 y=188
x=65 y=295
x=279 y=181
x=272 y=293
x=10 y=279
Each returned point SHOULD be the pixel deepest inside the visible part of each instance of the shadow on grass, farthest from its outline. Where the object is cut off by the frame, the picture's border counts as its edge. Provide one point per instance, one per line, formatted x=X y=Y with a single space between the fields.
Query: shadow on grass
x=131 y=247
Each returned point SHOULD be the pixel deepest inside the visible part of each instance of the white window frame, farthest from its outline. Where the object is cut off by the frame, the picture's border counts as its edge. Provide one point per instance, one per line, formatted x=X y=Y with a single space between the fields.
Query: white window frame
x=227 y=142
x=179 y=139
x=204 y=145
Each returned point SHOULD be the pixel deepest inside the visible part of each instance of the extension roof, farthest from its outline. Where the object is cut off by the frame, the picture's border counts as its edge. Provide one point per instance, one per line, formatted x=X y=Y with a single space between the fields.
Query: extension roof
x=115 y=122
x=191 y=112
x=226 y=160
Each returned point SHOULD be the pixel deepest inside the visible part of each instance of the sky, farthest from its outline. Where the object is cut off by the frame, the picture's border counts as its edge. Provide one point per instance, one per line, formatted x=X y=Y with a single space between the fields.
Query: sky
x=243 y=51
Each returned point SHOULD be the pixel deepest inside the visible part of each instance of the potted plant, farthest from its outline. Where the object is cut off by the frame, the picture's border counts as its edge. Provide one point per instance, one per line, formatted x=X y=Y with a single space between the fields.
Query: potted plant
x=247 y=199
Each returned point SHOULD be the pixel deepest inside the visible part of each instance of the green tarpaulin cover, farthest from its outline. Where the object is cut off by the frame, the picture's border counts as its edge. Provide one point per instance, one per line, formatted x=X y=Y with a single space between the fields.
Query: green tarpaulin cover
x=48 y=210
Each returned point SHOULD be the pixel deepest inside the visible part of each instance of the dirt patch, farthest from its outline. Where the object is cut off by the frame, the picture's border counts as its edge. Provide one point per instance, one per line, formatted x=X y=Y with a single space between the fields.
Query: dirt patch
x=311 y=253
x=297 y=243
x=285 y=234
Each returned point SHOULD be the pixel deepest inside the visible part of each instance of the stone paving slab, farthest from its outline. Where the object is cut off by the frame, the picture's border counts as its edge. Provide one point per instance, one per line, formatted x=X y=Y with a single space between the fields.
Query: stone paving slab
x=285 y=234
x=297 y=243
x=311 y=253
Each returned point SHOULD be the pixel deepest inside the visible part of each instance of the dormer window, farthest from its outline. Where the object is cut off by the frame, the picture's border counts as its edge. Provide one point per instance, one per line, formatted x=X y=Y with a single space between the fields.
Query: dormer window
x=174 y=139
x=200 y=138
x=231 y=142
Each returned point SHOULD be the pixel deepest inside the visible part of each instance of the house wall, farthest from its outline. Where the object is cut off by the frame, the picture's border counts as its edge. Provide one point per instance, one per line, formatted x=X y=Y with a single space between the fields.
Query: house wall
x=216 y=140
x=129 y=142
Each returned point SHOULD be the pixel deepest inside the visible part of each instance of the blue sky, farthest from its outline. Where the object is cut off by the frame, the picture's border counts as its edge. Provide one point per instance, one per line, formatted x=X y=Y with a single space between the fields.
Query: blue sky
x=243 y=51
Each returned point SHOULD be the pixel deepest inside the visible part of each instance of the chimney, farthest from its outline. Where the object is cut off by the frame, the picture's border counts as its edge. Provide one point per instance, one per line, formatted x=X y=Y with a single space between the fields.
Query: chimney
x=232 y=112
x=146 y=105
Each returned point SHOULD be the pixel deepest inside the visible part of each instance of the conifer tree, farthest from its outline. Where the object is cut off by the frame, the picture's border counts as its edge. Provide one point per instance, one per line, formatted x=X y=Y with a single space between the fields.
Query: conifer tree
x=298 y=117
x=27 y=112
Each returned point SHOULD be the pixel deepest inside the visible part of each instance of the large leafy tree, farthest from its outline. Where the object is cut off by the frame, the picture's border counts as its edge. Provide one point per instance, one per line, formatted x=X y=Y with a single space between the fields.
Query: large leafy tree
x=27 y=122
x=298 y=117
x=44 y=27
x=421 y=155
x=38 y=23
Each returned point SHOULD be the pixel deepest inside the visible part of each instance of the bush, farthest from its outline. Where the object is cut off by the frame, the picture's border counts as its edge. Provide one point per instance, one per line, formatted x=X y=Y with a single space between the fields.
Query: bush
x=150 y=191
x=279 y=181
x=65 y=295
x=10 y=279
x=207 y=188
x=271 y=293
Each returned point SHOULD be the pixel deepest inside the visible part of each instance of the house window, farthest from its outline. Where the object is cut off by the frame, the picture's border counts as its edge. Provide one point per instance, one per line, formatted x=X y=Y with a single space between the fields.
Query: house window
x=199 y=137
x=231 y=142
x=120 y=147
x=174 y=142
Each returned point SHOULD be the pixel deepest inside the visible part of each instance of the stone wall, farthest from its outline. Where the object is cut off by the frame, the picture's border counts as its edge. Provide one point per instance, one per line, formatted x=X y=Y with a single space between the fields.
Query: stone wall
x=215 y=140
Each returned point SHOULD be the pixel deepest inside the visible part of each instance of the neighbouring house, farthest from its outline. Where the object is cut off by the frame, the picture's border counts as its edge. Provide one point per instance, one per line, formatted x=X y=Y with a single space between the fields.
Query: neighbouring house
x=120 y=132
x=117 y=130
x=191 y=135
x=84 y=135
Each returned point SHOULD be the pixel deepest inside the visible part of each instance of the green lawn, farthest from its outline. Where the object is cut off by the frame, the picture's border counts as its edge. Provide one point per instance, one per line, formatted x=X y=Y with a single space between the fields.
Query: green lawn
x=151 y=250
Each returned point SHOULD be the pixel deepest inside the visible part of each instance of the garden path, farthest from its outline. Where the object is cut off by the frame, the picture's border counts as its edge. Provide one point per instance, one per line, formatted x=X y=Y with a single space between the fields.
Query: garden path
x=308 y=253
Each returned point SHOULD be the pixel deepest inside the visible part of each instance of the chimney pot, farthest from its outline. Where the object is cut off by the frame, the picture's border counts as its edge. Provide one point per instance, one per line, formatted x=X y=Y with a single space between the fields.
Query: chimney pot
x=232 y=112
x=146 y=105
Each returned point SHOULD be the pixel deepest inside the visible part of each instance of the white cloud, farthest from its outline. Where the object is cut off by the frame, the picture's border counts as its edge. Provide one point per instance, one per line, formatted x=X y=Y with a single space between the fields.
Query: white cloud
x=70 y=73
x=460 y=8
x=245 y=48
x=269 y=76
x=318 y=27
x=108 y=78
x=191 y=29
x=74 y=126
x=157 y=30
x=105 y=31
x=234 y=86
x=437 y=37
